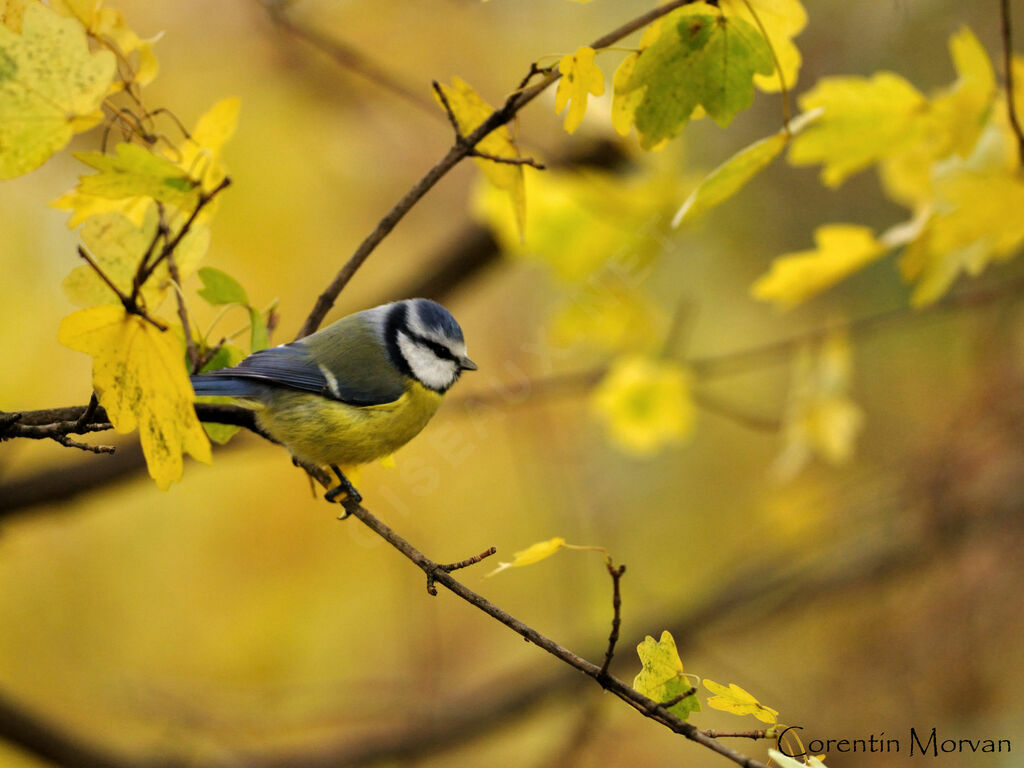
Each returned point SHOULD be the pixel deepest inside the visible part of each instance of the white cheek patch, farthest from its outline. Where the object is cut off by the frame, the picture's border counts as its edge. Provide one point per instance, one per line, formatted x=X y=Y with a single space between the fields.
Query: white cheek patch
x=433 y=371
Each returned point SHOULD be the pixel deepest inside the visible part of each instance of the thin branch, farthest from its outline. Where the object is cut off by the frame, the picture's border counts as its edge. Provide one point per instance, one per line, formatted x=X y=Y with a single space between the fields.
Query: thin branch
x=755 y=735
x=458 y=151
x=1007 y=37
x=676 y=699
x=128 y=302
x=646 y=706
x=613 y=638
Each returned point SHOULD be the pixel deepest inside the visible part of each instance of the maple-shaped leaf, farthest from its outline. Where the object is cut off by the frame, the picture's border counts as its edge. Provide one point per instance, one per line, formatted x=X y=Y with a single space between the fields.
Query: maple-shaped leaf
x=118 y=246
x=952 y=123
x=532 y=554
x=51 y=86
x=977 y=220
x=134 y=171
x=625 y=99
x=795 y=277
x=736 y=700
x=580 y=77
x=141 y=382
x=782 y=20
x=864 y=120
x=700 y=58
x=470 y=111
x=662 y=678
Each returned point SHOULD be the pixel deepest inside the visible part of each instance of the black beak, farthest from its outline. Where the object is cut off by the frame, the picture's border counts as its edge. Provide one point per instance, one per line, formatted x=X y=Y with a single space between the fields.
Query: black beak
x=467 y=365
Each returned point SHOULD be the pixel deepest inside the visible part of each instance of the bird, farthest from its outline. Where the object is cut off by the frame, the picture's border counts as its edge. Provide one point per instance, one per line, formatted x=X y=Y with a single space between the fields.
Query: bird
x=354 y=391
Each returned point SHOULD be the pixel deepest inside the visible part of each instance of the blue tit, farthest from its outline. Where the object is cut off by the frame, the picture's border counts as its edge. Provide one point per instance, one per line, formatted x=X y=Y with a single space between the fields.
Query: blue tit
x=354 y=391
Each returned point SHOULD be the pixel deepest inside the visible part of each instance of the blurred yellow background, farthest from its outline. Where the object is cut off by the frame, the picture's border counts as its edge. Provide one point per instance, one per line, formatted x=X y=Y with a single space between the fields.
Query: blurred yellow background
x=232 y=617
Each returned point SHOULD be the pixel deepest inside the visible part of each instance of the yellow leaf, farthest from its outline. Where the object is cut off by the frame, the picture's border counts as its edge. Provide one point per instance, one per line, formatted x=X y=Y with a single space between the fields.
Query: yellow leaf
x=953 y=122
x=736 y=700
x=977 y=221
x=532 y=554
x=200 y=155
x=139 y=375
x=49 y=80
x=580 y=77
x=470 y=111
x=661 y=677
x=820 y=417
x=118 y=246
x=964 y=106
x=782 y=21
x=644 y=404
x=11 y=13
x=864 y=120
x=83 y=205
x=795 y=277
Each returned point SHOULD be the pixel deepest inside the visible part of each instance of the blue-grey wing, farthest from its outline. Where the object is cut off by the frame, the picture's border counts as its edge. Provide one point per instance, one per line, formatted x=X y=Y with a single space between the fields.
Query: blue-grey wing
x=290 y=366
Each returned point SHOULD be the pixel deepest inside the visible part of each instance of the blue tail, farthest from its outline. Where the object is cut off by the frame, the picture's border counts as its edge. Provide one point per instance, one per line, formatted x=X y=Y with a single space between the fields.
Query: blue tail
x=227 y=386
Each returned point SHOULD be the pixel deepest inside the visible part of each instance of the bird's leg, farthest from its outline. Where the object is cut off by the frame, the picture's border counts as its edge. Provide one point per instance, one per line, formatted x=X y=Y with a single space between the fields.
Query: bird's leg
x=344 y=486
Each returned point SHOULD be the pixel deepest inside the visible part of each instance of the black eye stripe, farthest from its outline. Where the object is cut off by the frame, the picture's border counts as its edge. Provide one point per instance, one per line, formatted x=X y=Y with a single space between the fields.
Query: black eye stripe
x=438 y=349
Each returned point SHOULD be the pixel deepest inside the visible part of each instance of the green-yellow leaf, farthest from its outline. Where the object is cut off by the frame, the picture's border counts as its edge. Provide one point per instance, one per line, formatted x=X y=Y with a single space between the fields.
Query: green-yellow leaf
x=700 y=57
x=221 y=288
x=661 y=677
x=731 y=176
x=141 y=382
x=736 y=700
x=580 y=77
x=864 y=120
x=51 y=86
x=532 y=554
x=625 y=100
x=470 y=111
x=136 y=171
x=117 y=245
x=795 y=277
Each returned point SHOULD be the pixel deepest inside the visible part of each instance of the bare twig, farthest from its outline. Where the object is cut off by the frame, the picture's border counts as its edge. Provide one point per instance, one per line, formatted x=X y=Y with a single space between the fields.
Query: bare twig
x=613 y=638
x=129 y=303
x=458 y=151
x=449 y=567
x=755 y=735
x=1007 y=37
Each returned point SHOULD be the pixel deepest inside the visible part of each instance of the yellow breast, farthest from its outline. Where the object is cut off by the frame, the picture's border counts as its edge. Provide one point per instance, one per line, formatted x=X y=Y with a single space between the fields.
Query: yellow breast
x=323 y=431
